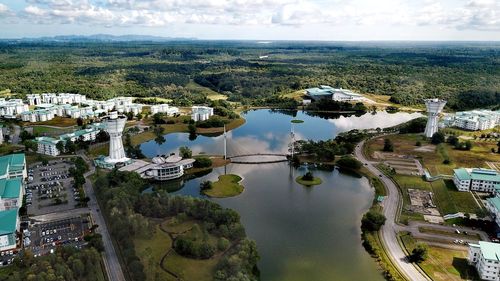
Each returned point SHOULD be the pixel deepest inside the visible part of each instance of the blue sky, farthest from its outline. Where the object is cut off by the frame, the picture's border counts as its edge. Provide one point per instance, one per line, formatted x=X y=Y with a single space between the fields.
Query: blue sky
x=256 y=19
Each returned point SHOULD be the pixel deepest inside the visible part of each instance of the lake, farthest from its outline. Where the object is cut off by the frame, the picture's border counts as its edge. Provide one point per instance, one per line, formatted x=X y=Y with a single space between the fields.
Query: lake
x=302 y=233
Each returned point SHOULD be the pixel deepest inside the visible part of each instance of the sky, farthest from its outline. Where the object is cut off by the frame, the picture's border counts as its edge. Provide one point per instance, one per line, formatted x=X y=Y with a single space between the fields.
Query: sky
x=333 y=20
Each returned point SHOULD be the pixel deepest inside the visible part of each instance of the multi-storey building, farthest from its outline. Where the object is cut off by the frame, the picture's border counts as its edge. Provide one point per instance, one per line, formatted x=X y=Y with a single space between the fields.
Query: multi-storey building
x=473 y=120
x=327 y=92
x=164 y=108
x=483 y=180
x=9 y=228
x=485 y=256
x=201 y=113
x=11 y=193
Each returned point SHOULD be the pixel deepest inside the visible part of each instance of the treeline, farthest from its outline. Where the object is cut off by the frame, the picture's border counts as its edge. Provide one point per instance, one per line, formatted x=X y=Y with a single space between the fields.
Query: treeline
x=331 y=105
x=466 y=74
x=127 y=210
x=67 y=263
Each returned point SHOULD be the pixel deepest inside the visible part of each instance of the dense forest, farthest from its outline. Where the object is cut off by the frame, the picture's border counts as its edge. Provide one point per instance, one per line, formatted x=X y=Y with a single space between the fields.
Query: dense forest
x=466 y=74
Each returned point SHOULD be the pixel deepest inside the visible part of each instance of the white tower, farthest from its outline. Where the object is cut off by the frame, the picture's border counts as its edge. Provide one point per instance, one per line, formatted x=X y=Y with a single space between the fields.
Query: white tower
x=434 y=107
x=114 y=125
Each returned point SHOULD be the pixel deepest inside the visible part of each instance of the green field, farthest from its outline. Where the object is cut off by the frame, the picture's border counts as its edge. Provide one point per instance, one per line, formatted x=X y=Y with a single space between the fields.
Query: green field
x=443 y=264
x=227 y=186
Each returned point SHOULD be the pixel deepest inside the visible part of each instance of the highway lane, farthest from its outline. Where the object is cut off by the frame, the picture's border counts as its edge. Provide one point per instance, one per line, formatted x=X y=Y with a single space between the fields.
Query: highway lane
x=389 y=230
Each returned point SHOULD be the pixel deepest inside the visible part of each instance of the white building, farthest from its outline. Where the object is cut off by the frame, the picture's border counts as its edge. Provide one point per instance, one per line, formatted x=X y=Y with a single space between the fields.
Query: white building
x=485 y=256
x=162 y=168
x=34 y=99
x=48 y=145
x=201 y=113
x=483 y=180
x=473 y=120
x=12 y=108
x=164 y=108
x=63 y=98
x=327 y=92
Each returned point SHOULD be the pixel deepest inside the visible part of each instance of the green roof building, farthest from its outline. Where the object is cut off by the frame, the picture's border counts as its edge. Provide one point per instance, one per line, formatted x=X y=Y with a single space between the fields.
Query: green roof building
x=13 y=166
x=478 y=179
x=11 y=193
x=485 y=256
x=9 y=224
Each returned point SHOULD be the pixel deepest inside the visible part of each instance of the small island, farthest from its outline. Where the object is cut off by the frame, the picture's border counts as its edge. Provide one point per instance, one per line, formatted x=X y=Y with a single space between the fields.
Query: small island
x=227 y=186
x=308 y=180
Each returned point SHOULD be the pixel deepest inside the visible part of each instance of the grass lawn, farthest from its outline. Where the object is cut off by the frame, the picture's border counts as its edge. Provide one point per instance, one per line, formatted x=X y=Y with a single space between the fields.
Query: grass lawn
x=44 y=130
x=227 y=186
x=314 y=181
x=433 y=159
x=191 y=269
x=57 y=121
x=211 y=94
x=151 y=251
x=449 y=200
x=443 y=264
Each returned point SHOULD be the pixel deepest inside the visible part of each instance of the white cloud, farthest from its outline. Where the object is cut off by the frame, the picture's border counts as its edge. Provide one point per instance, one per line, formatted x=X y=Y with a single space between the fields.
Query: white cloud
x=471 y=14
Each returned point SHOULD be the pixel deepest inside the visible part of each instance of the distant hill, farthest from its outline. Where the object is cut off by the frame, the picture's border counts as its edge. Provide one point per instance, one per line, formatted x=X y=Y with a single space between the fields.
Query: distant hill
x=103 y=38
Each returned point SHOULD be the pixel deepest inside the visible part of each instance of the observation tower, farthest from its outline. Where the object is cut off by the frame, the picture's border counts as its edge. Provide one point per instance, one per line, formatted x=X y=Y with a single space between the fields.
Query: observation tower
x=114 y=125
x=434 y=107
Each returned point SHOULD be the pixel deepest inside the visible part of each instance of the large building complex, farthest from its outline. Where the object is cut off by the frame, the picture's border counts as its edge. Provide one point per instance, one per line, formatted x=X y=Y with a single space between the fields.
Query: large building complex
x=485 y=256
x=201 y=113
x=483 y=180
x=12 y=175
x=164 y=108
x=473 y=120
x=48 y=145
x=162 y=168
x=327 y=92
x=12 y=108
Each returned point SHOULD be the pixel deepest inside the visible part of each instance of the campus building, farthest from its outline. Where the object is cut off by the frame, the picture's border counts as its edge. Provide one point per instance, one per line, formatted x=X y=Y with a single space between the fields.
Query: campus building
x=201 y=113
x=12 y=108
x=485 y=256
x=13 y=166
x=478 y=179
x=473 y=120
x=11 y=193
x=9 y=227
x=48 y=145
x=327 y=92
x=162 y=168
x=164 y=108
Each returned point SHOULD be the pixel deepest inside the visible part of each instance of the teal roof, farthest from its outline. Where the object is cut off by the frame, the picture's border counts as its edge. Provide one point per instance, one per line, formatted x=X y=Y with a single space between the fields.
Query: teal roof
x=462 y=174
x=10 y=188
x=497 y=187
x=8 y=221
x=490 y=251
x=494 y=201
x=12 y=162
x=485 y=175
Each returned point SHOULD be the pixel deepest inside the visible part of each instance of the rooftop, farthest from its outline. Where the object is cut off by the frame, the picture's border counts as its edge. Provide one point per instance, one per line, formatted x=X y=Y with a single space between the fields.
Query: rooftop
x=462 y=174
x=11 y=162
x=8 y=221
x=477 y=174
x=10 y=188
x=490 y=251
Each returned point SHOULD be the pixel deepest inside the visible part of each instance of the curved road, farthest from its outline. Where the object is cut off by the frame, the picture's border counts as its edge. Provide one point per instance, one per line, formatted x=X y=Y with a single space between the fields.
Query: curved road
x=388 y=232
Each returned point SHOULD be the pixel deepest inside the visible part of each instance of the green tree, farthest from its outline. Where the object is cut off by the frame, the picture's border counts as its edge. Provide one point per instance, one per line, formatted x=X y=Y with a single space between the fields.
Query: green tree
x=60 y=146
x=79 y=121
x=437 y=138
x=419 y=253
x=372 y=221
x=388 y=145
x=30 y=145
x=349 y=163
x=185 y=152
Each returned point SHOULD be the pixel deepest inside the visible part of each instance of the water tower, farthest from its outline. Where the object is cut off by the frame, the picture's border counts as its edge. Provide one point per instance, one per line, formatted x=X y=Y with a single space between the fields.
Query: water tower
x=114 y=125
x=434 y=107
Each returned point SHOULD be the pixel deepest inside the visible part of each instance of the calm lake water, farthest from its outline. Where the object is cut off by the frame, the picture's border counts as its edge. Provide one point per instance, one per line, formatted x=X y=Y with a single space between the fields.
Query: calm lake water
x=302 y=233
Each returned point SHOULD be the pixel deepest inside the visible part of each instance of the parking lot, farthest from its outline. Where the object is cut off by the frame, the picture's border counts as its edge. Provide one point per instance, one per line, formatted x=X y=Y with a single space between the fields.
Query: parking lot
x=50 y=188
x=43 y=238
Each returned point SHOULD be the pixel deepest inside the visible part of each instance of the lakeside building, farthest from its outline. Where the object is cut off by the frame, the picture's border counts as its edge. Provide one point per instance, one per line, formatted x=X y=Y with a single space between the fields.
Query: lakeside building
x=48 y=145
x=477 y=179
x=327 y=92
x=9 y=228
x=473 y=120
x=164 y=108
x=485 y=257
x=201 y=113
x=162 y=168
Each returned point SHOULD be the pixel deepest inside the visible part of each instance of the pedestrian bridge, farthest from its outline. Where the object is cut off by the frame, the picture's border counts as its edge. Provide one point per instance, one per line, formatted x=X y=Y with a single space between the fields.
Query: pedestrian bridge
x=258 y=158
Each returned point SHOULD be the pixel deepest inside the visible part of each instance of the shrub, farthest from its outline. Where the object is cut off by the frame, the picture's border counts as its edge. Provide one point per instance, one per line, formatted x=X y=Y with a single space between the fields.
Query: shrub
x=202 y=162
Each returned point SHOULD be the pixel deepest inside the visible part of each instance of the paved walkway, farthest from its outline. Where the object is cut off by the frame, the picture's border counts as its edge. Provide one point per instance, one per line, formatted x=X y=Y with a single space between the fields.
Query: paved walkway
x=389 y=230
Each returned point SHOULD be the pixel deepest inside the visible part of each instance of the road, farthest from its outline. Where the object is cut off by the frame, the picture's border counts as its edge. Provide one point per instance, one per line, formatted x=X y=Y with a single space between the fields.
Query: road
x=414 y=226
x=390 y=228
x=111 y=262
